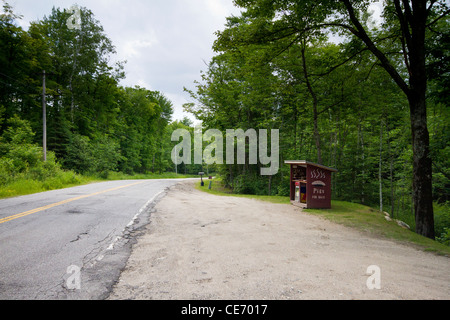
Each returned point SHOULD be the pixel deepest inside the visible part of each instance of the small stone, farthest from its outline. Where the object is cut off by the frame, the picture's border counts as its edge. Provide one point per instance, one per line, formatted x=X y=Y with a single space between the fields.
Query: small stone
x=403 y=225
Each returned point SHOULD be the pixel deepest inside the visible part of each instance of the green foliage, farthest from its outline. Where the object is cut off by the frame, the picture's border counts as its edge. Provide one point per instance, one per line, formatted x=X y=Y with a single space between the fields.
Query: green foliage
x=274 y=69
x=94 y=126
x=79 y=154
x=249 y=184
x=219 y=189
x=439 y=122
x=18 y=132
x=18 y=155
x=22 y=168
x=442 y=219
x=26 y=185
x=144 y=116
x=444 y=238
x=344 y=105
x=105 y=155
x=97 y=157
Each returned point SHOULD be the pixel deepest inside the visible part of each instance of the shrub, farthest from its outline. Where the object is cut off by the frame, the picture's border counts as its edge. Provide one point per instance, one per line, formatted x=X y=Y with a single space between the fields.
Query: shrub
x=79 y=154
x=92 y=157
x=444 y=238
x=20 y=157
x=106 y=155
x=250 y=183
x=442 y=222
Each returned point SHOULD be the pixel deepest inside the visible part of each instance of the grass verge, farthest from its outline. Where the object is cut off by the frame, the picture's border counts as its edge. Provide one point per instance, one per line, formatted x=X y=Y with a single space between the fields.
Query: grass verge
x=67 y=179
x=360 y=217
x=218 y=190
x=24 y=186
x=371 y=221
x=148 y=176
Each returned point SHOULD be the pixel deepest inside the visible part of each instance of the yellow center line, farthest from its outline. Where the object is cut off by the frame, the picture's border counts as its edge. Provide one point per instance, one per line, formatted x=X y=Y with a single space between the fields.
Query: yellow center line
x=27 y=213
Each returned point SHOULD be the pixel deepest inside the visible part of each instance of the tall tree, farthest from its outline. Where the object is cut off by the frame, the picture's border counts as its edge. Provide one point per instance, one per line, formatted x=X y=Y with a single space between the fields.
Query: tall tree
x=93 y=124
x=17 y=59
x=400 y=48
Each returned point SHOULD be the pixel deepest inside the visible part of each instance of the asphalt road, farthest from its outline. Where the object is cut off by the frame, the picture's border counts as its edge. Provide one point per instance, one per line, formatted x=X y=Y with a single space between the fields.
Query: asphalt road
x=72 y=243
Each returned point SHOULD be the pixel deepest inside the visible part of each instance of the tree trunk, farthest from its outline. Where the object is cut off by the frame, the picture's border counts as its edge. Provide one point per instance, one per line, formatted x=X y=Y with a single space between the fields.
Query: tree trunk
x=316 y=132
x=422 y=168
x=153 y=164
x=363 y=160
x=391 y=172
x=380 y=177
x=413 y=17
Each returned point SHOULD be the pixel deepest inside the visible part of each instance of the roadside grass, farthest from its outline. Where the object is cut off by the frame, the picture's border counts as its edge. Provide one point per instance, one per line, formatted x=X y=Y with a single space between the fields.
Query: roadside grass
x=67 y=179
x=147 y=176
x=353 y=215
x=373 y=222
x=219 y=190
x=25 y=186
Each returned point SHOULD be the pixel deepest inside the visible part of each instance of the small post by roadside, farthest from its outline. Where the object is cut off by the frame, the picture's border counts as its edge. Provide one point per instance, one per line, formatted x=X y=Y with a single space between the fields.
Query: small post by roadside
x=201 y=175
x=210 y=183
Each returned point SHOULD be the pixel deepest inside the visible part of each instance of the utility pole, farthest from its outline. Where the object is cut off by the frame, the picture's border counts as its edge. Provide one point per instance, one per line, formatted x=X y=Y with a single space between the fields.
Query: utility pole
x=44 y=117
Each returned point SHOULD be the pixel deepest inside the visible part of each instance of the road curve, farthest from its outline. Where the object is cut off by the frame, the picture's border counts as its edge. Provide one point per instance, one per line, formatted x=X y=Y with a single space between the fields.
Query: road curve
x=72 y=243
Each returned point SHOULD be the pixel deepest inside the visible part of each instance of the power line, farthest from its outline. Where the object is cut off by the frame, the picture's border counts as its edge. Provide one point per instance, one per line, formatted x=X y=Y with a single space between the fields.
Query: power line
x=18 y=82
x=16 y=88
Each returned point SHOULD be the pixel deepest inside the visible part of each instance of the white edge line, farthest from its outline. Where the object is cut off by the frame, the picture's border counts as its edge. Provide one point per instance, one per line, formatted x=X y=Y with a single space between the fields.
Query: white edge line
x=111 y=246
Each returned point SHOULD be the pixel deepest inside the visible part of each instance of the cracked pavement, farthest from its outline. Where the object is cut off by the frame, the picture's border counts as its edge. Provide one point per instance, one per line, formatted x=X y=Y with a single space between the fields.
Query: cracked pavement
x=93 y=232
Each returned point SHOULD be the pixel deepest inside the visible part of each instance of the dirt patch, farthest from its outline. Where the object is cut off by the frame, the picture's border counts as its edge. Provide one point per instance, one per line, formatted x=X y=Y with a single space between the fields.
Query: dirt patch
x=199 y=246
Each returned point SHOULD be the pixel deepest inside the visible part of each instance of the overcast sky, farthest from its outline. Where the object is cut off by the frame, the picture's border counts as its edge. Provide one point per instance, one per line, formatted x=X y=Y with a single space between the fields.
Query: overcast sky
x=166 y=42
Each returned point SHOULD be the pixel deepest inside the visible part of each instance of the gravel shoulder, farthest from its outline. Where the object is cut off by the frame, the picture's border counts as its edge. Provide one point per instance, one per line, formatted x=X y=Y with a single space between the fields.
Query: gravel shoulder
x=204 y=247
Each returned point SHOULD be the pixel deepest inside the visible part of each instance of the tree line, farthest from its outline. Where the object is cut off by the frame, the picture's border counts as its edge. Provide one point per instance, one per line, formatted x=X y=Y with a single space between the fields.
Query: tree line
x=373 y=103
x=94 y=125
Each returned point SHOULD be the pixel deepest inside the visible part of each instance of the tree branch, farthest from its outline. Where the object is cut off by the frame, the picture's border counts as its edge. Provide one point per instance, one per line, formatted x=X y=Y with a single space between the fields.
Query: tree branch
x=403 y=23
x=405 y=56
x=440 y=169
x=438 y=18
x=408 y=12
x=432 y=2
x=370 y=71
x=362 y=34
x=331 y=106
x=340 y=64
x=285 y=48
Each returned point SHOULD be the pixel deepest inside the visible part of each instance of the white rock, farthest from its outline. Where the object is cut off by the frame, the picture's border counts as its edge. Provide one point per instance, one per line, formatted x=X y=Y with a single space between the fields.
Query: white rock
x=403 y=225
